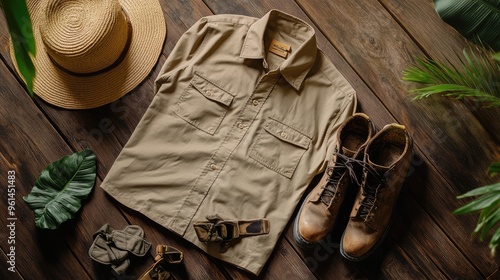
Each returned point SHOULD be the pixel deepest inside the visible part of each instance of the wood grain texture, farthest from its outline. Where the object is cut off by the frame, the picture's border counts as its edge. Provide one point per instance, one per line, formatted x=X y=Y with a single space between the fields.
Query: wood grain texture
x=449 y=131
x=494 y=275
x=443 y=43
x=105 y=130
x=4 y=272
x=379 y=50
x=25 y=152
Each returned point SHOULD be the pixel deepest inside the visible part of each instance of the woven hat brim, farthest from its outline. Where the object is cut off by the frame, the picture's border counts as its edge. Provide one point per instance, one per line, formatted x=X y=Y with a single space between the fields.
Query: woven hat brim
x=65 y=90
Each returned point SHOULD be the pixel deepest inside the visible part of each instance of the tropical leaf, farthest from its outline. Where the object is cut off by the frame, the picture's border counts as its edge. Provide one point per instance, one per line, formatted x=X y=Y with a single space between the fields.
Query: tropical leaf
x=495 y=241
x=478 y=77
x=492 y=218
x=476 y=20
x=480 y=203
x=488 y=203
x=21 y=33
x=61 y=188
x=496 y=56
x=494 y=168
x=481 y=190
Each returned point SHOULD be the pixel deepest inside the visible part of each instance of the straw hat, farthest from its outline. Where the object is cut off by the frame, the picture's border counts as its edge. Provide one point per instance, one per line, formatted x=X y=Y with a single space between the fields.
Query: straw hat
x=92 y=52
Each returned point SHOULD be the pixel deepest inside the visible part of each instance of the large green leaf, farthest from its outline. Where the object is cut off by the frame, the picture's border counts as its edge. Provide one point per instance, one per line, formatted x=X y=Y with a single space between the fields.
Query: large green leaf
x=61 y=188
x=21 y=32
x=474 y=19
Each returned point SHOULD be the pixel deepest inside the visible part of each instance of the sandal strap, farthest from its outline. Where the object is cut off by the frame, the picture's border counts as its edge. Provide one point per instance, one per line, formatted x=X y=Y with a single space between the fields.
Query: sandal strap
x=170 y=254
x=165 y=256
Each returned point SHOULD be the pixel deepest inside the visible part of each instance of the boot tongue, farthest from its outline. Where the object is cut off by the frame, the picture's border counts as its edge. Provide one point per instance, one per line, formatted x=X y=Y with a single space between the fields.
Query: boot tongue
x=379 y=168
x=347 y=152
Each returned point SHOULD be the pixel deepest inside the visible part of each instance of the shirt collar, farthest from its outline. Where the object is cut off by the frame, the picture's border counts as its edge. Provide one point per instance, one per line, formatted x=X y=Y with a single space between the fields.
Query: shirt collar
x=295 y=68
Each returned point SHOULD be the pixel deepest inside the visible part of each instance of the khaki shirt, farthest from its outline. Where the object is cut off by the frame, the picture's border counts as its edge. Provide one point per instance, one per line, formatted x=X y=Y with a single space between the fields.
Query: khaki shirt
x=238 y=127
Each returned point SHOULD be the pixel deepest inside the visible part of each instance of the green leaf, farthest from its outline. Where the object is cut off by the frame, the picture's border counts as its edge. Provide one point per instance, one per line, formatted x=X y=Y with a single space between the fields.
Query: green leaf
x=61 y=188
x=478 y=204
x=481 y=190
x=491 y=220
x=21 y=32
x=478 y=77
x=476 y=20
x=488 y=203
x=496 y=56
x=494 y=168
x=495 y=241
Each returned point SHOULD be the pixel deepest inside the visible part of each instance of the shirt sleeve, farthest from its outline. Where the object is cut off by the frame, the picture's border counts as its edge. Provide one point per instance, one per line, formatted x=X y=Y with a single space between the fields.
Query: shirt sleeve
x=348 y=109
x=184 y=51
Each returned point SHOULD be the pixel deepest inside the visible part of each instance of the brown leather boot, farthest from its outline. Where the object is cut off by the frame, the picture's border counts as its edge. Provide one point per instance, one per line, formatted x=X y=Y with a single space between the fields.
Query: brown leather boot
x=319 y=210
x=386 y=163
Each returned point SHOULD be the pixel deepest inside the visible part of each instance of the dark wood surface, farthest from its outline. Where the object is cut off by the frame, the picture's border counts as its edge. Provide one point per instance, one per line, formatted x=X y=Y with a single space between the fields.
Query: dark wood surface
x=370 y=42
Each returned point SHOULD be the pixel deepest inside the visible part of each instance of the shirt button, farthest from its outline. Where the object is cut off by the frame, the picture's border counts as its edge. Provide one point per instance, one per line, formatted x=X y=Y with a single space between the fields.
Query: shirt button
x=209 y=93
x=241 y=126
x=283 y=134
x=213 y=166
x=255 y=102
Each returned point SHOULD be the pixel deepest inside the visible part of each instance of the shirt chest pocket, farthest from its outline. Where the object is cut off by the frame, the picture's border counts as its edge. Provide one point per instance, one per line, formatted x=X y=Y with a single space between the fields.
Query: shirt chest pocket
x=279 y=147
x=204 y=104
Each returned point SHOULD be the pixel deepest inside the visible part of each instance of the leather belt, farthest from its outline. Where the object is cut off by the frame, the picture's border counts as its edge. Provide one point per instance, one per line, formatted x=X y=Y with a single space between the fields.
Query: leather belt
x=216 y=229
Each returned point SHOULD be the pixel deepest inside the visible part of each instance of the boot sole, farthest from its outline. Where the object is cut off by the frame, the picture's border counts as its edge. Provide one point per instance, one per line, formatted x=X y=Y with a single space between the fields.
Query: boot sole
x=301 y=243
x=367 y=254
x=296 y=236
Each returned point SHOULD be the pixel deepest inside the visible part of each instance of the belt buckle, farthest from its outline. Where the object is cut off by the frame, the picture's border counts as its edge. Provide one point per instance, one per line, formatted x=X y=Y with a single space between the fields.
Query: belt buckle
x=216 y=229
x=223 y=231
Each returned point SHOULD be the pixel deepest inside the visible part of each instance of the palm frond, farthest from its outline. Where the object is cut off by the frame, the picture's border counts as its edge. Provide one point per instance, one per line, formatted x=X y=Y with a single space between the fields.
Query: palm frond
x=494 y=169
x=487 y=203
x=21 y=32
x=496 y=56
x=478 y=77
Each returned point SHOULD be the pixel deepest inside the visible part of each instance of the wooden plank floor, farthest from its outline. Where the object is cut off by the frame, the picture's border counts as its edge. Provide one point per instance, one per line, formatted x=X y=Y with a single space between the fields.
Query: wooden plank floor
x=370 y=42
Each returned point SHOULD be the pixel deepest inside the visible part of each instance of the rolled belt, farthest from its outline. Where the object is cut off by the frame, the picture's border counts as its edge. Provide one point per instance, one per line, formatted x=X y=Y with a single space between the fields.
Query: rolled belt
x=216 y=229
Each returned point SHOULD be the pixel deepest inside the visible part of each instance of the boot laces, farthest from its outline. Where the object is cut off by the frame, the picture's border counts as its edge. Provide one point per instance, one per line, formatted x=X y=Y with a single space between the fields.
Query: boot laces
x=342 y=164
x=375 y=181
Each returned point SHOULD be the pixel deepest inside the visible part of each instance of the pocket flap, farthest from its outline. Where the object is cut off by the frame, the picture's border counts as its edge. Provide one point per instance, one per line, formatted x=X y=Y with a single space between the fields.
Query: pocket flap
x=287 y=133
x=211 y=91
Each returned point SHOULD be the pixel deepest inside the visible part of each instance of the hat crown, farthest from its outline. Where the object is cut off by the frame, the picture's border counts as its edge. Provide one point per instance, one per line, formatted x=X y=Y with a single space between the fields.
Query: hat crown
x=84 y=36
